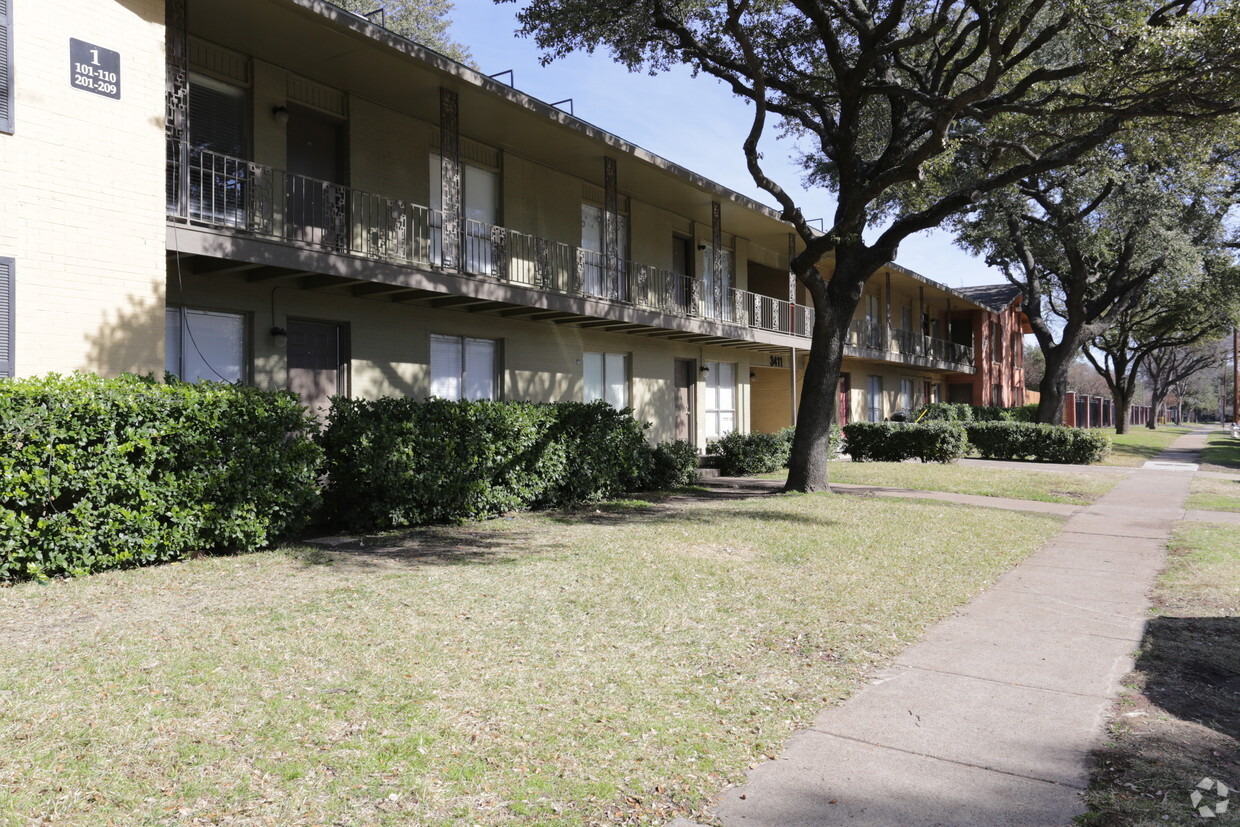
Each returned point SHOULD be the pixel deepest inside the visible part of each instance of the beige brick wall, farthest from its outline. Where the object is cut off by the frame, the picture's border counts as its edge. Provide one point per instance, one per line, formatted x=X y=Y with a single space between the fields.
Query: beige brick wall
x=82 y=191
x=390 y=347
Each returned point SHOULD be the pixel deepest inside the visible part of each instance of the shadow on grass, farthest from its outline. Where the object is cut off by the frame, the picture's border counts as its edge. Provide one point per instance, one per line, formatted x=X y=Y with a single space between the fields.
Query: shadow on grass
x=1192 y=668
x=429 y=546
x=1222 y=451
x=467 y=545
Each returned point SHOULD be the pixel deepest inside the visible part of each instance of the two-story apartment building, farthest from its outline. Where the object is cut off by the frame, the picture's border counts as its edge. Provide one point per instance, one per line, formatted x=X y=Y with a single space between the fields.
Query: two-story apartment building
x=281 y=193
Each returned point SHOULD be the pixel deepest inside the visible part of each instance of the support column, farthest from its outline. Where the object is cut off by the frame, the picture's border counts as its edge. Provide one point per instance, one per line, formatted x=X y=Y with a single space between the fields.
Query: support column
x=716 y=245
x=611 y=230
x=450 y=177
x=794 y=386
x=887 y=312
x=176 y=101
x=792 y=291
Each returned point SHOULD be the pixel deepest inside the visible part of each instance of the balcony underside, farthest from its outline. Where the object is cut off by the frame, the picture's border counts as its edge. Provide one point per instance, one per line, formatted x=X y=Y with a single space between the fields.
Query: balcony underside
x=211 y=251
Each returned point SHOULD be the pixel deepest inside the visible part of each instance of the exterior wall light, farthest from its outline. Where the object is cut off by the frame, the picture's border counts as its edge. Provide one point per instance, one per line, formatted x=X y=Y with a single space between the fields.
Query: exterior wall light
x=279 y=336
x=280 y=115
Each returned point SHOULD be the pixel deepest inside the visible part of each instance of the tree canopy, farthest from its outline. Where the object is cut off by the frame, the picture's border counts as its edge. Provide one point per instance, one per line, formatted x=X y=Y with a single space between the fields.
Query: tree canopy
x=425 y=21
x=1110 y=249
x=911 y=111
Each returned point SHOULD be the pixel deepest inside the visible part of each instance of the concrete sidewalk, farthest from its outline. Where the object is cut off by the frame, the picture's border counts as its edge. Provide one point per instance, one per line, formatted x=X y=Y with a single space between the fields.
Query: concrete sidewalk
x=990 y=719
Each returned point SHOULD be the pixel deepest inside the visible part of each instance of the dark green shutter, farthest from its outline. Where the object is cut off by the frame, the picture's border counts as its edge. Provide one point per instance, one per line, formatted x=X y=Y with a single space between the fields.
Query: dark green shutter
x=6 y=317
x=6 y=66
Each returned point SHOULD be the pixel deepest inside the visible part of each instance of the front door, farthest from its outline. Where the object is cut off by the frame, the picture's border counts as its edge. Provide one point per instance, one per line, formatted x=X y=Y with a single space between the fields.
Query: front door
x=317 y=363
x=686 y=381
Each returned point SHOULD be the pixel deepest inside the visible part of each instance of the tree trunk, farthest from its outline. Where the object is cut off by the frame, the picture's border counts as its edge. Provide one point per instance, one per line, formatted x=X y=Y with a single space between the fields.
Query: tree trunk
x=1123 y=405
x=1053 y=388
x=1156 y=400
x=816 y=412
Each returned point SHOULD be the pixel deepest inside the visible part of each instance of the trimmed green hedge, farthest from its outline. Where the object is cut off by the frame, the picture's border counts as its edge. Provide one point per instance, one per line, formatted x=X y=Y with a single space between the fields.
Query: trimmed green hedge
x=1040 y=443
x=394 y=462
x=959 y=412
x=107 y=473
x=898 y=441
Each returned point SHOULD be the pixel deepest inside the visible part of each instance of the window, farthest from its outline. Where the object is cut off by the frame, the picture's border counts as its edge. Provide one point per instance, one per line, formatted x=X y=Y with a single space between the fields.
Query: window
x=6 y=67
x=216 y=179
x=606 y=377
x=996 y=395
x=480 y=207
x=876 y=398
x=6 y=313
x=906 y=394
x=720 y=399
x=996 y=340
x=203 y=345
x=463 y=368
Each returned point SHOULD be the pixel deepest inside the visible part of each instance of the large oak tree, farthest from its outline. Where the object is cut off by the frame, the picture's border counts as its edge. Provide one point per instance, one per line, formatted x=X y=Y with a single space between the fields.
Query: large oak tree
x=910 y=111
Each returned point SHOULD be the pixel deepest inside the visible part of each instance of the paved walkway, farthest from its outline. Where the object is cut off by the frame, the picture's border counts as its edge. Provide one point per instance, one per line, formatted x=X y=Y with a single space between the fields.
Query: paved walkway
x=990 y=719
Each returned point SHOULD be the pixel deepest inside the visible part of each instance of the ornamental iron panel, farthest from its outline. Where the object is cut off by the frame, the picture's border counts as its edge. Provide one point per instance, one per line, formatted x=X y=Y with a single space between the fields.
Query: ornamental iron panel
x=450 y=177
x=499 y=253
x=542 y=263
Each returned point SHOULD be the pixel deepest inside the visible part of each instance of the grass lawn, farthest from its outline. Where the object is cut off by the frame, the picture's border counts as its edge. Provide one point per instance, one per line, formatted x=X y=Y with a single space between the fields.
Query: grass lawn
x=1178 y=721
x=1140 y=444
x=1214 y=495
x=619 y=665
x=1222 y=453
x=1045 y=486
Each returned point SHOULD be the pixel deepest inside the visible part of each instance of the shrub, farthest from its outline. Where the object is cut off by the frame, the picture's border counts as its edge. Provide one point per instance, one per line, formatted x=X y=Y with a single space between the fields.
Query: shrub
x=835 y=442
x=1024 y=413
x=989 y=413
x=399 y=461
x=898 y=441
x=106 y=473
x=1040 y=443
x=754 y=453
x=945 y=411
x=960 y=412
x=672 y=464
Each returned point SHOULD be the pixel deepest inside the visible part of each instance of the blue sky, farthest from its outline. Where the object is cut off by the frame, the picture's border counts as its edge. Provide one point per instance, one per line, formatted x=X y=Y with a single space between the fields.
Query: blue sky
x=694 y=122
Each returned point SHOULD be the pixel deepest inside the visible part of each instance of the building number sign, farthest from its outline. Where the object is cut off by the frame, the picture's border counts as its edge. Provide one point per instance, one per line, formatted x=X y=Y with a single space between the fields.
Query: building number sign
x=94 y=69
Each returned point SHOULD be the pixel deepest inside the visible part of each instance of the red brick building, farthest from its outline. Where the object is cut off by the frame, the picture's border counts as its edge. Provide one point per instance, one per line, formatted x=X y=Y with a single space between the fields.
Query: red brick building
x=996 y=335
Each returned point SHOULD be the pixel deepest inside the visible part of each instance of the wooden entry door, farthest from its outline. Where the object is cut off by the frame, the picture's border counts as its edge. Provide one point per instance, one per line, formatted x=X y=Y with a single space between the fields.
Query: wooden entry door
x=685 y=381
x=317 y=363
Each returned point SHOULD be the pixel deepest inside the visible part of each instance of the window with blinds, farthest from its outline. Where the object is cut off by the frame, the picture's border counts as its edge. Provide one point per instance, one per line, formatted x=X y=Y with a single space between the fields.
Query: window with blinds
x=6 y=314
x=205 y=346
x=217 y=119
x=463 y=368
x=6 y=66
x=606 y=376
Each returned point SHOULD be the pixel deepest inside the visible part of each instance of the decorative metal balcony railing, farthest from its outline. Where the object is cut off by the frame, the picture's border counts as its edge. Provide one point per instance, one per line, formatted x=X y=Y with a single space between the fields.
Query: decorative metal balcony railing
x=218 y=190
x=870 y=335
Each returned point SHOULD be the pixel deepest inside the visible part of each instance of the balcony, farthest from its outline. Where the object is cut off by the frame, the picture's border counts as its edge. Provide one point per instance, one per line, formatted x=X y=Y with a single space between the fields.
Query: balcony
x=209 y=189
x=869 y=339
